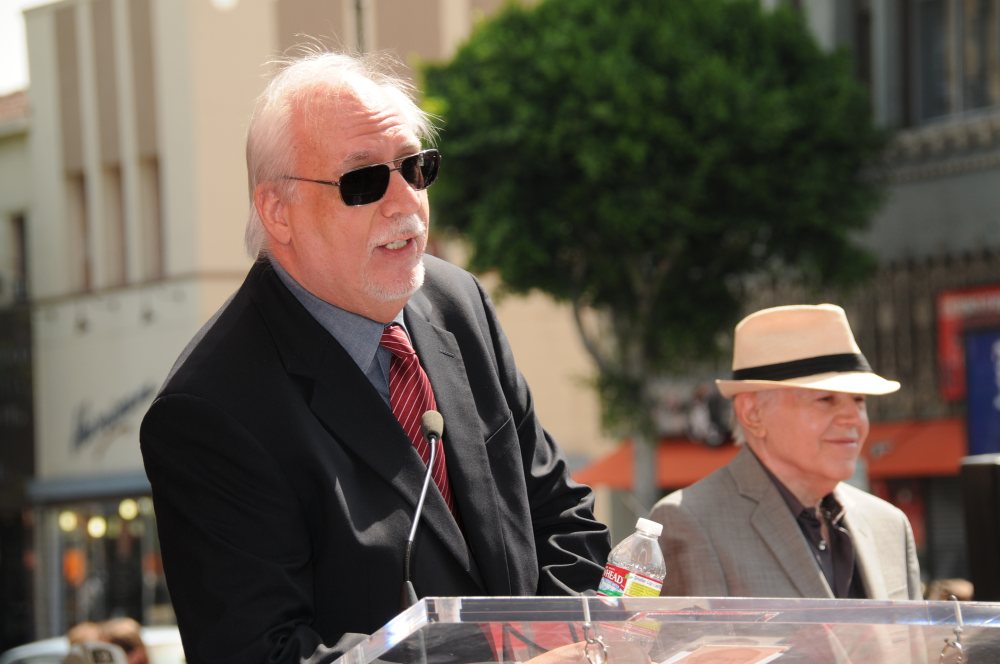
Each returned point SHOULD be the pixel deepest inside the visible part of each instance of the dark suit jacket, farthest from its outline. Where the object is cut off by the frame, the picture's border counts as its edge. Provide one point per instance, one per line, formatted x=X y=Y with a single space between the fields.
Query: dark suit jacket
x=284 y=487
x=732 y=535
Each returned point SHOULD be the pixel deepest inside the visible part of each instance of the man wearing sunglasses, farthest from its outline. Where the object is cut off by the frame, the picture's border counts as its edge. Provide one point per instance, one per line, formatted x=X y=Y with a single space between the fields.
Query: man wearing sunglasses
x=284 y=478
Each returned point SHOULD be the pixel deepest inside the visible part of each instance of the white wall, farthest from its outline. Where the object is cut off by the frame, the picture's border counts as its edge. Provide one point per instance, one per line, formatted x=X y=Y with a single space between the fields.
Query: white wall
x=99 y=359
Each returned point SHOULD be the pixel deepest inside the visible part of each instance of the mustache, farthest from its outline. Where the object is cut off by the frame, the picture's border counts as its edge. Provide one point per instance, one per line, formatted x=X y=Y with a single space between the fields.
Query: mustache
x=409 y=225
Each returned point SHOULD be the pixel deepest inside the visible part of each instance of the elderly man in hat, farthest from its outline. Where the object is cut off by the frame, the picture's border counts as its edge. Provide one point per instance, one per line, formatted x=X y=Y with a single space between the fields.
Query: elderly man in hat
x=778 y=520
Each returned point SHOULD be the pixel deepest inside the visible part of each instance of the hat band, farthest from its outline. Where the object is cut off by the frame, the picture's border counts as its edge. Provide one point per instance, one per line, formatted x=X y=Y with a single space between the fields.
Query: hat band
x=805 y=367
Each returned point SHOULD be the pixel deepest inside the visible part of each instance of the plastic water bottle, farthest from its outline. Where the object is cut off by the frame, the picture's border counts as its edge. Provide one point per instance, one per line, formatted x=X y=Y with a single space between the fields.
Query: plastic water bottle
x=635 y=567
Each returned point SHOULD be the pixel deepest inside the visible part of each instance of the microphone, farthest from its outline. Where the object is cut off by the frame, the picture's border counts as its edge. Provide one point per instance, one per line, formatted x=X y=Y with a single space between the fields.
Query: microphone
x=431 y=426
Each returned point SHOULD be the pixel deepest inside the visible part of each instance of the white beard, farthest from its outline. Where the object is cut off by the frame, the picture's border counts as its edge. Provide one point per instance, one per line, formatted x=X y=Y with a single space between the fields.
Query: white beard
x=413 y=225
x=393 y=292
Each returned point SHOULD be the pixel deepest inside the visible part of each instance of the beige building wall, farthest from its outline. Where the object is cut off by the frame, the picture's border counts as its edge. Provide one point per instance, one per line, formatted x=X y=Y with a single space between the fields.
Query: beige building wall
x=137 y=195
x=210 y=66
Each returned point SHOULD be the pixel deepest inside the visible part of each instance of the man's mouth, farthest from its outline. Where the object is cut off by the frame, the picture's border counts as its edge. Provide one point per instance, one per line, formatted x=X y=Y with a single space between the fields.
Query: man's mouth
x=403 y=232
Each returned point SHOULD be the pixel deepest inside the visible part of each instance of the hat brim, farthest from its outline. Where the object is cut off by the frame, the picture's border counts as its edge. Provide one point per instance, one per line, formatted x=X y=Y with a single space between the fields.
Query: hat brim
x=851 y=382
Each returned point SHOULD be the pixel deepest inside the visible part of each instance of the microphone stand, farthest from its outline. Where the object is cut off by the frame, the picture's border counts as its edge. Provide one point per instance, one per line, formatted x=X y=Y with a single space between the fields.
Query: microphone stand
x=409 y=593
x=431 y=425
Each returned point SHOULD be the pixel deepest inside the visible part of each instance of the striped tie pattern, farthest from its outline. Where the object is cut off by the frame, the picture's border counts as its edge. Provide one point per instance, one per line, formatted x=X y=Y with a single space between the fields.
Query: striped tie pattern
x=410 y=396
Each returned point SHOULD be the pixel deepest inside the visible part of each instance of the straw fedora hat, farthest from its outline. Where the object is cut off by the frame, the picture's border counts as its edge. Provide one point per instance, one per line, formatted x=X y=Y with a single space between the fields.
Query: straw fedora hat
x=800 y=345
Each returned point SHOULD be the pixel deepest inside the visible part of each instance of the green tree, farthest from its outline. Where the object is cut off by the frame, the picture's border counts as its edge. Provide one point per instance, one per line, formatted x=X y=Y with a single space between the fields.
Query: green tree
x=648 y=160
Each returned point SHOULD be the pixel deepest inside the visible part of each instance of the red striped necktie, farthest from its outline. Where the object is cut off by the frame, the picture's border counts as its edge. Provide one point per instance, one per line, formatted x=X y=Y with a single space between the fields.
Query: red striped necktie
x=410 y=396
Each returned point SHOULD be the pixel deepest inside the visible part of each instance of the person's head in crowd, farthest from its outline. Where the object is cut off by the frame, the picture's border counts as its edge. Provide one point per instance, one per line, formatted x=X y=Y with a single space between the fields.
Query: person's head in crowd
x=84 y=631
x=799 y=389
x=127 y=634
x=355 y=242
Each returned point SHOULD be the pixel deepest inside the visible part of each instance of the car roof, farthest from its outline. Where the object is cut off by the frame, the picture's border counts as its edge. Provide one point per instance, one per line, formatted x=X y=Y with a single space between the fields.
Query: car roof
x=38 y=652
x=163 y=642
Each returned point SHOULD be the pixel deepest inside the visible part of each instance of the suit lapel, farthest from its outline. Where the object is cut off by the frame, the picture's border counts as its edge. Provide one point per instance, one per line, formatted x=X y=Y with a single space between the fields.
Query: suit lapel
x=777 y=528
x=866 y=552
x=349 y=406
x=468 y=466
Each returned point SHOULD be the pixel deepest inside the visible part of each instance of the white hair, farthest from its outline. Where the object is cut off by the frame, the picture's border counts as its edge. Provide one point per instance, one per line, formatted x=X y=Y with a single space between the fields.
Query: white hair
x=301 y=79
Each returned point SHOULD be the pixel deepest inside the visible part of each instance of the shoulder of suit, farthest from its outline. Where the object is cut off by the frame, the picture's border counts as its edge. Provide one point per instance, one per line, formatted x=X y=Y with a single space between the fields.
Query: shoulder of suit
x=444 y=282
x=741 y=478
x=440 y=272
x=219 y=340
x=851 y=497
x=703 y=492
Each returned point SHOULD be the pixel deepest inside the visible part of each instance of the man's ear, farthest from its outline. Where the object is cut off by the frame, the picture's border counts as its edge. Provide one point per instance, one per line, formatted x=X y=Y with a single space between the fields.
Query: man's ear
x=747 y=410
x=270 y=204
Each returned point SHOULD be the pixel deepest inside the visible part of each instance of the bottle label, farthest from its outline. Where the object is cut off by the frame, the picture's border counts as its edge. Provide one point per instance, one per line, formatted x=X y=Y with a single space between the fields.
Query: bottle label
x=619 y=582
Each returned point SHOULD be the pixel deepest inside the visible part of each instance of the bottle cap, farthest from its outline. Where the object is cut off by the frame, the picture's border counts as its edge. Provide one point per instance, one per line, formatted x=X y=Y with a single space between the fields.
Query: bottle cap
x=647 y=527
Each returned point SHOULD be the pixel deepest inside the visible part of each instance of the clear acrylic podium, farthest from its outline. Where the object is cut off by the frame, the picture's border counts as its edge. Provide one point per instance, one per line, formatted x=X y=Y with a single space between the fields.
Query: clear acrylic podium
x=684 y=630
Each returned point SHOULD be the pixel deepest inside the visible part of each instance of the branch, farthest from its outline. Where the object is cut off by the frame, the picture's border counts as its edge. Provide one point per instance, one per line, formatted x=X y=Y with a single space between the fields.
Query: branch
x=589 y=344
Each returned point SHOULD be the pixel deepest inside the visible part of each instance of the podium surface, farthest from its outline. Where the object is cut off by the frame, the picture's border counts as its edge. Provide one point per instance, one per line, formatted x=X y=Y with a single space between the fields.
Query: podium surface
x=684 y=630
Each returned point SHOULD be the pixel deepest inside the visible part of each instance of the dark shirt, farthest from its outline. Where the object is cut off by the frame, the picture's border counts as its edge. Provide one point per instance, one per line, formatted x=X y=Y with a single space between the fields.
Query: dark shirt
x=834 y=557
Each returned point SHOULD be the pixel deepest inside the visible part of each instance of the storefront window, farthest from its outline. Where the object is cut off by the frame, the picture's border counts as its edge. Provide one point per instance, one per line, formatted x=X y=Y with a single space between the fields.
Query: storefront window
x=109 y=562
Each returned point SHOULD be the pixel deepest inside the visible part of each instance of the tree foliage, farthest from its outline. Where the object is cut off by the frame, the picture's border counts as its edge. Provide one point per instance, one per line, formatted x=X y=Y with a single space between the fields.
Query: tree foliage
x=645 y=160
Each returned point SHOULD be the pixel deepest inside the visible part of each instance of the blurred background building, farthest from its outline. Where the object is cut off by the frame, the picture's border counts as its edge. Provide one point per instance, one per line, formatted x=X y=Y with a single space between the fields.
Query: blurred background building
x=122 y=205
x=931 y=316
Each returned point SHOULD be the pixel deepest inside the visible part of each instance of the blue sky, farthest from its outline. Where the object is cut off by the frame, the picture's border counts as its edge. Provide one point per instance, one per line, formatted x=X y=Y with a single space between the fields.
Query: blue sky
x=13 y=55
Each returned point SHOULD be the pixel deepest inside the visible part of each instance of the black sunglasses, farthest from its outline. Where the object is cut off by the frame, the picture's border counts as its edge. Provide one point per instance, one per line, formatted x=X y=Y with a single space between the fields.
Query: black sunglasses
x=369 y=183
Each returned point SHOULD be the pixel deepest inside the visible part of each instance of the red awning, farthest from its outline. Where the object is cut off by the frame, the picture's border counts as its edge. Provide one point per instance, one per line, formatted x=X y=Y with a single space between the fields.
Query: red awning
x=918 y=448
x=613 y=471
x=679 y=462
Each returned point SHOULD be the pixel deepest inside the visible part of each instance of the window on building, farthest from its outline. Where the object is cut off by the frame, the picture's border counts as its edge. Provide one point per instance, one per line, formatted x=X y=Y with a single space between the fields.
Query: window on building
x=955 y=54
x=113 y=228
x=79 y=245
x=979 y=46
x=19 y=227
x=862 y=39
x=151 y=219
x=107 y=557
x=13 y=260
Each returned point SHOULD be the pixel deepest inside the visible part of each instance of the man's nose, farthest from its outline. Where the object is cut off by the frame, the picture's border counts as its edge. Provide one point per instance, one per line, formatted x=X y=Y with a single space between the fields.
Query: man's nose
x=849 y=408
x=400 y=197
